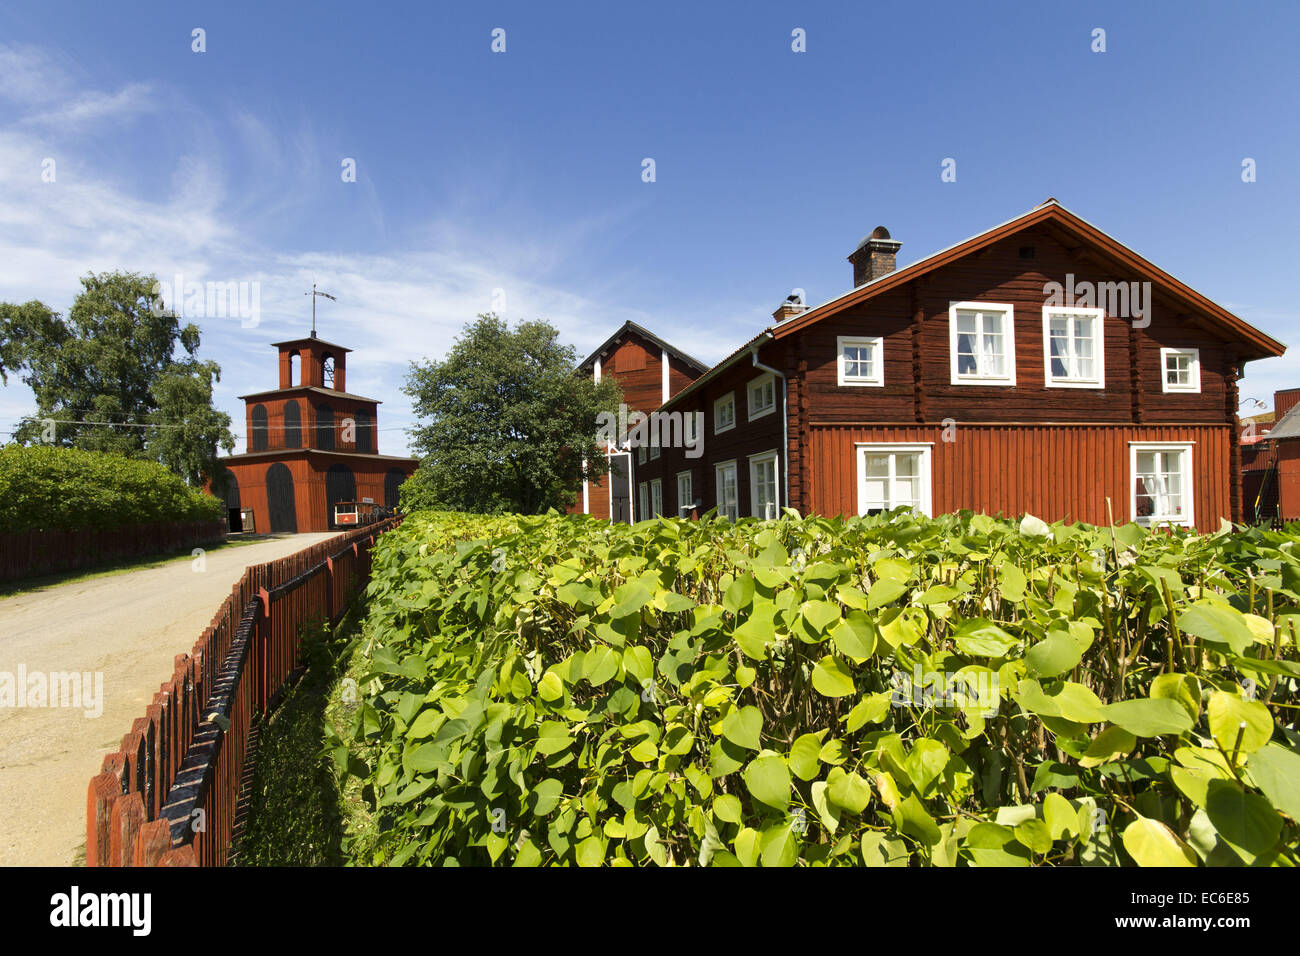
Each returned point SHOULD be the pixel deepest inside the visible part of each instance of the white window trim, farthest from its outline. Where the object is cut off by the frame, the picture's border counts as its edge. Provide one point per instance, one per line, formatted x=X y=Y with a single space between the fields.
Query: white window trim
x=717 y=404
x=1195 y=387
x=643 y=501
x=926 y=450
x=749 y=395
x=685 y=505
x=1188 y=519
x=877 y=345
x=717 y=485
x=656 y=488
x=754 y=460
x=1009 y=336
x=640 y=454
x=654 y=450
x=1098 y=346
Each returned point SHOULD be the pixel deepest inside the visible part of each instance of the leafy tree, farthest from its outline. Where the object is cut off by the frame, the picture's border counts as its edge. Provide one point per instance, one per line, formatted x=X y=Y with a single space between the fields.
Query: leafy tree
x=189 y=429
x=118 y=368
x=506 y=424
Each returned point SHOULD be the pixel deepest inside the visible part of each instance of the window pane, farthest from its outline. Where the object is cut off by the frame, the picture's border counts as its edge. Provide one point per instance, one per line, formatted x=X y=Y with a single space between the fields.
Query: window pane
x=877 y=466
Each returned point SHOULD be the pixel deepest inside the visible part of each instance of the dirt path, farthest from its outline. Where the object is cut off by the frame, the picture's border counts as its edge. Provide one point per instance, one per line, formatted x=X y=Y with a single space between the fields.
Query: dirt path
x=126 y=627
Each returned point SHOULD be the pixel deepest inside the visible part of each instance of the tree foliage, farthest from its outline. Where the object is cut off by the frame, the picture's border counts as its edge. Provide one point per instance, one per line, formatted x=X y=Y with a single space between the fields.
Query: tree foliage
x=118 y=374
x=505 y=423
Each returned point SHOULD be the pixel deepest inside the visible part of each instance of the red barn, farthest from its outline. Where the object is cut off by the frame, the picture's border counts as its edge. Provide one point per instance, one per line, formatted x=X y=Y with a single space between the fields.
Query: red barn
x=311 y=443
x=650 y=372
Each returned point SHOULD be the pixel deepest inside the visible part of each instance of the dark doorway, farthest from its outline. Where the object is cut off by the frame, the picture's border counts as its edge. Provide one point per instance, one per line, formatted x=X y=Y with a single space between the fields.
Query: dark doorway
x=620 y=497
x=279 y=498
x=230 y=494
x=324 y=428
x=258 y=438
x=340 y=485
x=292 y=425
x=392 y=483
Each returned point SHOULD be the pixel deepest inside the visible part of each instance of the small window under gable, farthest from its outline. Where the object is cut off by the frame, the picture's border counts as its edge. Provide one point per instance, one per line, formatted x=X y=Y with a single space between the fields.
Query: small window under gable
x=1180 y=370
x=860 y=361
x=982 y=343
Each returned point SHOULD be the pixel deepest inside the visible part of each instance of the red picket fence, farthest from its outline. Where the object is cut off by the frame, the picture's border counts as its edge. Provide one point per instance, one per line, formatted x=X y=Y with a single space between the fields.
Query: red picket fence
x=27 y=554
x=167 y=797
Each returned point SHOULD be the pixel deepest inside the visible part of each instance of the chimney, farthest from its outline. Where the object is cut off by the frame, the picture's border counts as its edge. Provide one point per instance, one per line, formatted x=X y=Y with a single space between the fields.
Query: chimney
x=876 y=255
x=792 y=306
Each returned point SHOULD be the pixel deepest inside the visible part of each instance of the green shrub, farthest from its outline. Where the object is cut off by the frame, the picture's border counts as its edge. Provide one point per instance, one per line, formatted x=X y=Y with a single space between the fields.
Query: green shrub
x=556 y=690
x=44 y=487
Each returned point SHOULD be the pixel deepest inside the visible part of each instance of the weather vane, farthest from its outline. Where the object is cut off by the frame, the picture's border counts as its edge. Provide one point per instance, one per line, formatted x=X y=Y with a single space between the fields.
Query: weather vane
x=313 y=293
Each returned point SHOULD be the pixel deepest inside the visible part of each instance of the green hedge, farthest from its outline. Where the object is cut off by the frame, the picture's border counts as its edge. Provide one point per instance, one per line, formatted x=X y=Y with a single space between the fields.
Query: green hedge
x=45 y=488
x=888 y=690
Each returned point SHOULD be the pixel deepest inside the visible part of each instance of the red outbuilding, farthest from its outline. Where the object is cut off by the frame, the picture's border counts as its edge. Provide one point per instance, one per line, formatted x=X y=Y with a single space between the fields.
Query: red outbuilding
x=311 y=444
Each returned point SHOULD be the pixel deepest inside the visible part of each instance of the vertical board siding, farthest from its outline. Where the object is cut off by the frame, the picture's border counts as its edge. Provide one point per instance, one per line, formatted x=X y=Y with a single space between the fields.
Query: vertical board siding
x=1052 y=471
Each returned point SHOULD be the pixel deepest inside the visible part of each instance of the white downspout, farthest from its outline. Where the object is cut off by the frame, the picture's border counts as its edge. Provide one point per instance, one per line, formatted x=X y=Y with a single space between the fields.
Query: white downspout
x=663 y=362
x=785 y=421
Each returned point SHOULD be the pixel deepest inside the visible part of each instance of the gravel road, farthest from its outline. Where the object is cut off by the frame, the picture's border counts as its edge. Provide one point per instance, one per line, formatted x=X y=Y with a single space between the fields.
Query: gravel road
x=127 y=628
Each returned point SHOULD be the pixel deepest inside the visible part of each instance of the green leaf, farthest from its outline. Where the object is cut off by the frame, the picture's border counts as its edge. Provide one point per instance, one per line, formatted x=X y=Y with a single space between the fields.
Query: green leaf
x=590 y=852
x=739 y=594
x=768 y=781
x=831 y=678
x=1276 y=771
x=1055 y=654
x=820 y=615
x=804 y=752
x=884 y=591
x=1151 y=843
x=1110 y=743
x=855 y=636
x=881 y=849
x=1034 y=835
x=1244 y=819
x=779 y=845
x=726 y=807
x=550 y=687
x=871 y=709
x=1217 y=624
x=982 y=638
x=1228 y=713
x=1180 y=687
x=1149 y=717
x=743 y=727
x=848 y=790
x=546 y=795
x=912 y=818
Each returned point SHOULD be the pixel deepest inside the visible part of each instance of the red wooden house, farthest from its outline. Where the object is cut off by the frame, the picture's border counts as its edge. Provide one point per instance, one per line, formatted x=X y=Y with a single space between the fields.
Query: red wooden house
x=311 y=444
x=1271 y=462
x=650 y=372
x=1038 y=367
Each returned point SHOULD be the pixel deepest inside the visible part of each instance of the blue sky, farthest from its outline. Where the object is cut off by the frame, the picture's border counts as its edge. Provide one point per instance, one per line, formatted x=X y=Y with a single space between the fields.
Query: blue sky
x=521 y=171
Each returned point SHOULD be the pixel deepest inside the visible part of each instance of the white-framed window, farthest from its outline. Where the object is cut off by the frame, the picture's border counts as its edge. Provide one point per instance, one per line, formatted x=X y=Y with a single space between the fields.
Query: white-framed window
x=724 y=413
x=762 y=396
x=643 y=501
x=982 y=343
x=894 y=475
x=654 y=451
x=1180 y=370
x=1160 y=483
x=725 y=475
x=1072 y=347
x=640 y=454
x=764 y=486
x=861 y=361
x=685 y=492
x=657 y=497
